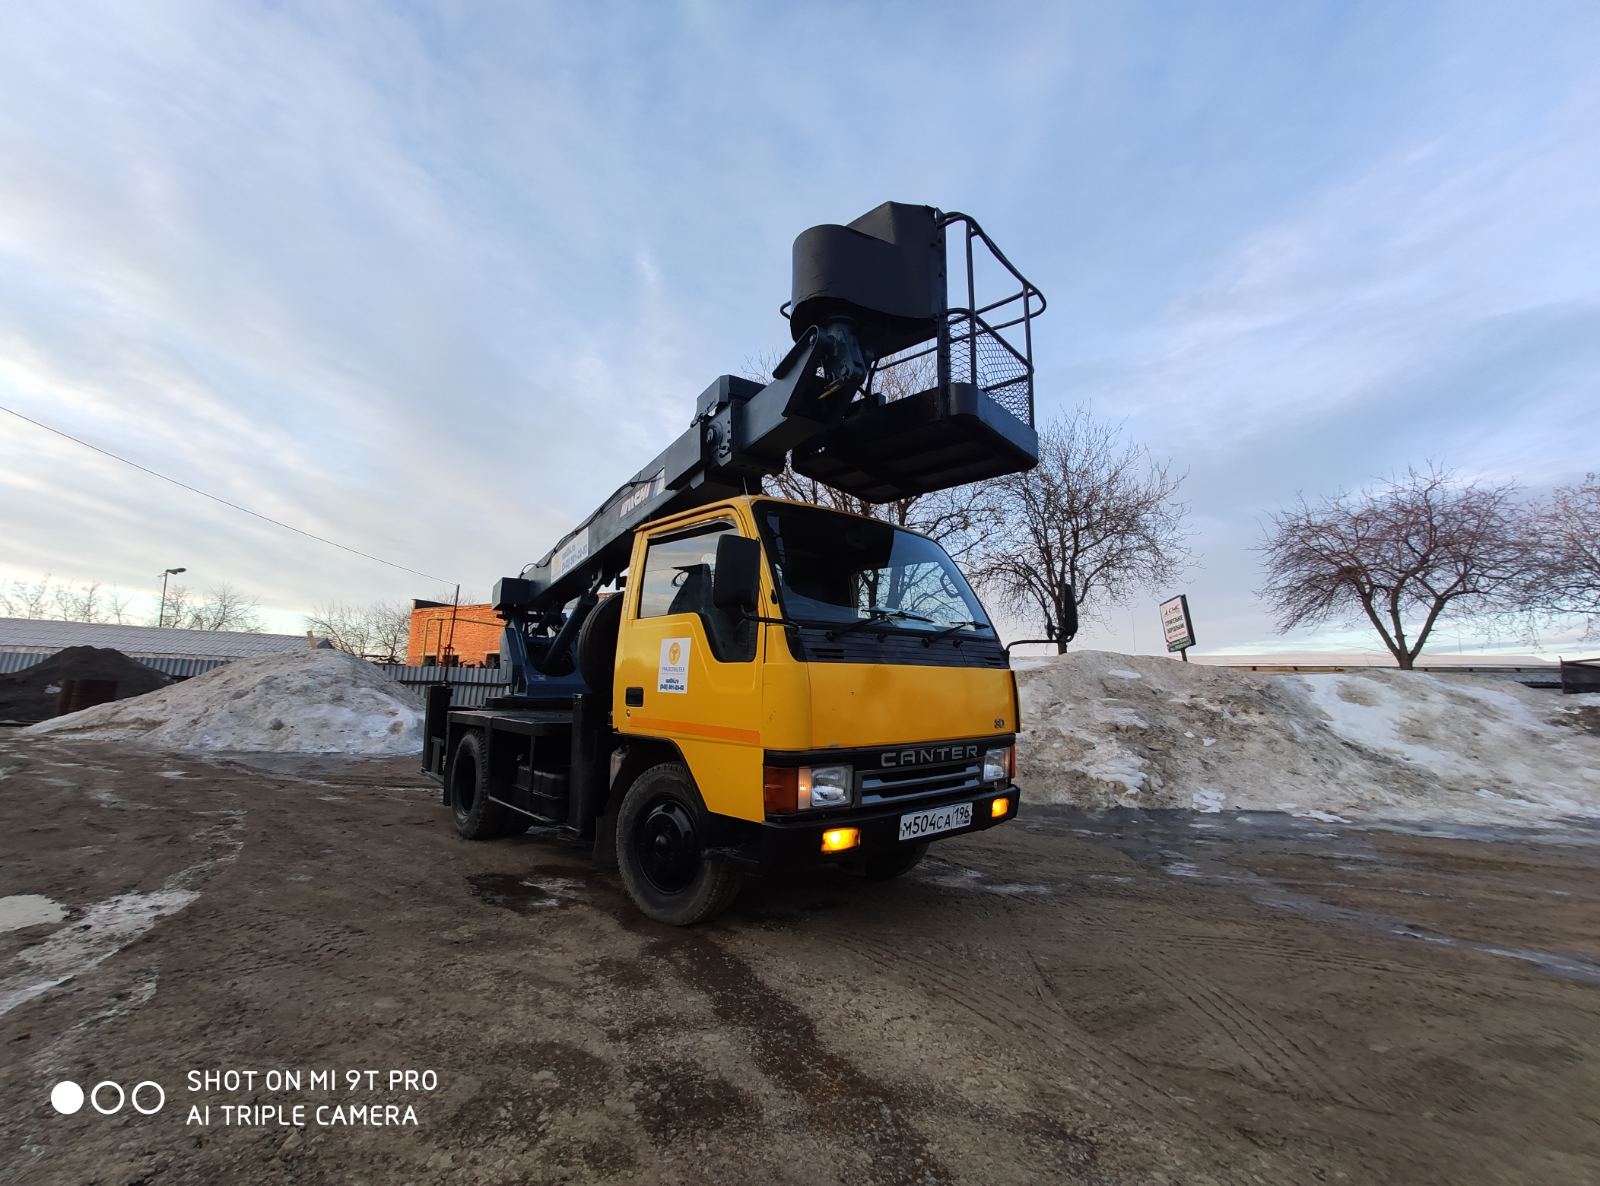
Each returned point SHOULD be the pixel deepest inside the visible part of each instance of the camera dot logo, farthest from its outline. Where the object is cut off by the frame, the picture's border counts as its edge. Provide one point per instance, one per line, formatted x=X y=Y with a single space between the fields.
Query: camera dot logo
x=107 y=1097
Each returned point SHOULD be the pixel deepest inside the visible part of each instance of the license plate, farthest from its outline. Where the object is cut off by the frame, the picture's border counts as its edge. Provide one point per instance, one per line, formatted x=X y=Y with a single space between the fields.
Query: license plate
x=935 y=820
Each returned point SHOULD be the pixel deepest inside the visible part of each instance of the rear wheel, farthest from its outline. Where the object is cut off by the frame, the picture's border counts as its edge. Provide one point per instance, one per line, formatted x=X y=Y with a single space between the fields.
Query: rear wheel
x=476 y=817
x=886 y=866
x=661 y=835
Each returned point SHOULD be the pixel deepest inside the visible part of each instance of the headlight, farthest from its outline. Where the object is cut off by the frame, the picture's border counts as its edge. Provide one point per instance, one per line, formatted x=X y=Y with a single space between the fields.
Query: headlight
x=997 y=764
x=824 y=786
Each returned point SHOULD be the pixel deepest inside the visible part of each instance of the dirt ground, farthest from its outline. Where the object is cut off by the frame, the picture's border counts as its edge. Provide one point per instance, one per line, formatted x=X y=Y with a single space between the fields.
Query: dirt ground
x=1128 y=998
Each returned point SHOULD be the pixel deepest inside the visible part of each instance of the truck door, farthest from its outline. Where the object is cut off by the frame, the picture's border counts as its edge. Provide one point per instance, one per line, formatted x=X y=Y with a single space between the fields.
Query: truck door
x=687 y=671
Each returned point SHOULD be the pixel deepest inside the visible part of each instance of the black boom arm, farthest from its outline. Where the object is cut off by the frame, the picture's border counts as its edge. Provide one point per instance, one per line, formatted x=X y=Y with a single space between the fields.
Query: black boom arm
x=867 y=298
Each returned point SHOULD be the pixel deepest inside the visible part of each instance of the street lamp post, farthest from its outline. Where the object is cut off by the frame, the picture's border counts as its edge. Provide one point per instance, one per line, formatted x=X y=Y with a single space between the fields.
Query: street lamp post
x=161 y=615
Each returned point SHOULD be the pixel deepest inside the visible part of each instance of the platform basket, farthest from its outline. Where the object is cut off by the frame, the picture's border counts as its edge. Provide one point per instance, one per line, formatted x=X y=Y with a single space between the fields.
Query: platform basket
x=954 y=409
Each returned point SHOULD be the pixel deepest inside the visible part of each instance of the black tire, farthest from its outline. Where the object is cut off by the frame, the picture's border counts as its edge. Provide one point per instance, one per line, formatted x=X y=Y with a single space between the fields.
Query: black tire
x=476 y=818
x=661 y=829
x=597 y=646
x=886 y=866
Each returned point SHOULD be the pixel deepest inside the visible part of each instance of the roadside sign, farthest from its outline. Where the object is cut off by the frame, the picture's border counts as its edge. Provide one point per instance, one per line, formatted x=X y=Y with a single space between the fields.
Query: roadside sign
x=1177 y=625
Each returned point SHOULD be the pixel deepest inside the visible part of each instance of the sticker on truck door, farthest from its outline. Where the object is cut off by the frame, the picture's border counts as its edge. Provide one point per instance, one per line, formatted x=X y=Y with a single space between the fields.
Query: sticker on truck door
x=672 y=674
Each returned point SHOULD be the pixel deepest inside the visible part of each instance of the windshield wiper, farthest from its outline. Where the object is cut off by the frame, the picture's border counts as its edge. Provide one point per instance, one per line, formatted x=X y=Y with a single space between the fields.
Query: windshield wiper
x=877 y=615
x=953 y=628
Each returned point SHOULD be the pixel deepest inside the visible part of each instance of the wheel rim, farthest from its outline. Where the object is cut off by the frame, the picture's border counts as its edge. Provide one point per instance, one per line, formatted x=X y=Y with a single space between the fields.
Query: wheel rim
x=666 y=846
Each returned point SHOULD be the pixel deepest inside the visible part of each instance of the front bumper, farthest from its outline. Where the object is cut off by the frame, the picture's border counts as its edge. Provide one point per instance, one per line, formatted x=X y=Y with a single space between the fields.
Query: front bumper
x=795 y=842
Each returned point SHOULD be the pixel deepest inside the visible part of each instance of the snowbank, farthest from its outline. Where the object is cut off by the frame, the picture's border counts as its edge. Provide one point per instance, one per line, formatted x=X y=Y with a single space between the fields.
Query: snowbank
x=301 y=702
x=1137 y=731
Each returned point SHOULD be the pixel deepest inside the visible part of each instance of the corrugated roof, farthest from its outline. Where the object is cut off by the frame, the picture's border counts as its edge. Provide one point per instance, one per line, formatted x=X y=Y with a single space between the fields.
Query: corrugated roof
x=29 y=634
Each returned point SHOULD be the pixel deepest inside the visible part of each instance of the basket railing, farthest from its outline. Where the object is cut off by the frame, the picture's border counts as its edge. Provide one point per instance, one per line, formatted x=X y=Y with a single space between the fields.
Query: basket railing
x=971 y=345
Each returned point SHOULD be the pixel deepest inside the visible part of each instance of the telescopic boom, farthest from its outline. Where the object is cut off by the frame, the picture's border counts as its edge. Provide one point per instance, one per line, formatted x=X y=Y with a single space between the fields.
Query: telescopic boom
x=870 y=300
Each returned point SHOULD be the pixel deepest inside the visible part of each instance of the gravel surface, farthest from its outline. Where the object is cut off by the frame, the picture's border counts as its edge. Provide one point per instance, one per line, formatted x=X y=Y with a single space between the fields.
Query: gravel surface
x=1129 y=997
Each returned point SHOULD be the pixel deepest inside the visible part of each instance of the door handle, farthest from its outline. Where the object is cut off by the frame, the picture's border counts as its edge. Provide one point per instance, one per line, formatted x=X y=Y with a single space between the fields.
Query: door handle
x=633 y=698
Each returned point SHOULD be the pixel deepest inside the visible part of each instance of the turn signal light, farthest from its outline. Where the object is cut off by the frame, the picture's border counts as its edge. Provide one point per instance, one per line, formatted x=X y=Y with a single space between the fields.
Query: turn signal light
x=839 y=839
x=999 y=808
x=780 y=789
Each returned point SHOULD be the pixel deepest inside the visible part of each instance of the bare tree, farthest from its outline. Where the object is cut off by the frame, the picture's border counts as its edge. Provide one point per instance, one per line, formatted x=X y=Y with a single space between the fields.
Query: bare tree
x=1398 y=556
x=25 y=600
x=227 y=608
x=177 y=602
x=82 y=604
x=222 y=607
x=954 y=518
x=118 y=610
x=378 y=631
x=56 y=600
x=1098 y=520
x=450 y=597
x=1565 y=570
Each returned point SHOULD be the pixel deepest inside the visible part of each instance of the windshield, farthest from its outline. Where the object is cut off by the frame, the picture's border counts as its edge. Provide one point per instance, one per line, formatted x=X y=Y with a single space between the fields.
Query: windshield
x=839 y=569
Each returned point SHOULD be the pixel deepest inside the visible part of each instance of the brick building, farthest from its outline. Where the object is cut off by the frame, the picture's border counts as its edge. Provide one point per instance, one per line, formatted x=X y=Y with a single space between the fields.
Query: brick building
x=472 y=641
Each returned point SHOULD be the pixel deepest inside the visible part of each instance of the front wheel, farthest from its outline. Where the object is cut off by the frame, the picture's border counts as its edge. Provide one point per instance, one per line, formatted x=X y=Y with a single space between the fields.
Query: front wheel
x=661 y=837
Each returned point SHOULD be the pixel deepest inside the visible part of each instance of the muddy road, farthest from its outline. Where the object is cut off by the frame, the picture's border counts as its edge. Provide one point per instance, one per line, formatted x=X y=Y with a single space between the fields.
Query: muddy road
x=1121 y=999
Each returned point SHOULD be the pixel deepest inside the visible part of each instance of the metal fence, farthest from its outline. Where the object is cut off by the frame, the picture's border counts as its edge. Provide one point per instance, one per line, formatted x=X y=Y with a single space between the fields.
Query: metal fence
x=177 y=666
x=470 y=686
x=1580 y=675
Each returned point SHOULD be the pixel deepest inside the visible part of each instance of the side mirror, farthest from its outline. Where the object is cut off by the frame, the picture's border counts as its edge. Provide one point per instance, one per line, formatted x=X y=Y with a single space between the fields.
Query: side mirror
x=736 y=584
x=1069 y=620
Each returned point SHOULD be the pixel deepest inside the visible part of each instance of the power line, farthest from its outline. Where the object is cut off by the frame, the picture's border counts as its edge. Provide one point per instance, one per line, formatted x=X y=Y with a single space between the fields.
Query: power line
x=214 y=498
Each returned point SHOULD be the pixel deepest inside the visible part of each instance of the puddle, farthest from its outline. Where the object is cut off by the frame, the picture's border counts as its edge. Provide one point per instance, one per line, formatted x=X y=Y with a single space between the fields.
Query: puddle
x=524 y=893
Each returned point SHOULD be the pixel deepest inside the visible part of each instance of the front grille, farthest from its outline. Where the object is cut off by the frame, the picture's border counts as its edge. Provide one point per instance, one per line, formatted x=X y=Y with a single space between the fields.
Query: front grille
x=919 y=782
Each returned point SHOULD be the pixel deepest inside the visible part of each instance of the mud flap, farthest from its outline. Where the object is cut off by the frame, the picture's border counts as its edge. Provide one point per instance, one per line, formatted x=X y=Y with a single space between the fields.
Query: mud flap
x=605 y=842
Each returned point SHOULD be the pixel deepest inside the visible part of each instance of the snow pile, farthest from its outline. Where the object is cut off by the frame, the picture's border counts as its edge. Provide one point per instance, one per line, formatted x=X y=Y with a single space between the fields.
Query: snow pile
x=308 y=701
x=1108 y=730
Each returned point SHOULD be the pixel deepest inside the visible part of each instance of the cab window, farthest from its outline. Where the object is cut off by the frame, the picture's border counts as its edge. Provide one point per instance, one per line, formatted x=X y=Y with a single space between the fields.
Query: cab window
x=678 y=571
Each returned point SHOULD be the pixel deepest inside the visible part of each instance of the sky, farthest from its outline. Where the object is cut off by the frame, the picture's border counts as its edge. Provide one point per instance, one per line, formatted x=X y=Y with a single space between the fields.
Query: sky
x=431 y=279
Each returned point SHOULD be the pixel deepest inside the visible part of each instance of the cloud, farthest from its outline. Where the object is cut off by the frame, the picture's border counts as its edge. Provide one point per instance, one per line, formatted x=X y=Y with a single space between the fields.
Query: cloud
x=435 y=281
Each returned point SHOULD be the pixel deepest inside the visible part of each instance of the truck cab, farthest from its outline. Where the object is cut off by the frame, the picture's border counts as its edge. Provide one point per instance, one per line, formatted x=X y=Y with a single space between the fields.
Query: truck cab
x=846 y=705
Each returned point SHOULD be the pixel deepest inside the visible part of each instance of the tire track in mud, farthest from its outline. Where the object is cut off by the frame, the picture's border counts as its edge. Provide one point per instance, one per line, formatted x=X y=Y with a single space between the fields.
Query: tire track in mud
x=1272 y=1055
x=839 y=1097
x=1061 y=901
x=1277 y=952
x=1122 y=1074
x=1282 y=1063
x=1117 y=1079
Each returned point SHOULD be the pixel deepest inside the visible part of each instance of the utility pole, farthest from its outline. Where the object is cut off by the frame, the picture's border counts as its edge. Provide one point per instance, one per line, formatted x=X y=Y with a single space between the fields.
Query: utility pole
x=161 y=614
